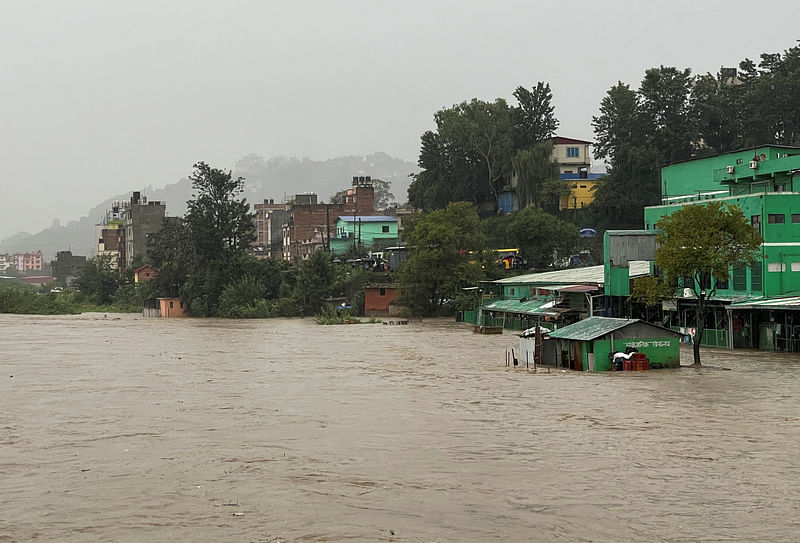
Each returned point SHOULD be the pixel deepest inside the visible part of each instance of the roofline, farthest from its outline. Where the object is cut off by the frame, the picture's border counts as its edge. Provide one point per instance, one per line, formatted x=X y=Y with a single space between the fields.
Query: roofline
x=774 y=146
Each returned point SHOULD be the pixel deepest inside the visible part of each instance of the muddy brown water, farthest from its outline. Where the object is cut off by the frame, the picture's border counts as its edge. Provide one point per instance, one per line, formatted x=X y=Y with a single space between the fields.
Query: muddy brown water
x=122 y=428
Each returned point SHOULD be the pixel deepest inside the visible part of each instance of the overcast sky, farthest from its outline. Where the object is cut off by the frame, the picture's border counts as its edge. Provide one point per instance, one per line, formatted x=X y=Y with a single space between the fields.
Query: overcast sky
x=100 y=97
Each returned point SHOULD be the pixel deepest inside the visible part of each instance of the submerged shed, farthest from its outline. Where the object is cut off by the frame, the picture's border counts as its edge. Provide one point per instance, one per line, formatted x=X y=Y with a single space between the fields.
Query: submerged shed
x=586 y=345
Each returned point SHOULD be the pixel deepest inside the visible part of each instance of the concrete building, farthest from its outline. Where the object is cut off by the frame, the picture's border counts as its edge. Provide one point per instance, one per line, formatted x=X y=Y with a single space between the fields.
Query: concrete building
x=107 y=234
x=309 y=220
x=140 y=219
x=364 y=232
x=574 y=163
x=759 y=306
x=27 y=263
x=66 y=267
x=269 y=220
x=586 y=345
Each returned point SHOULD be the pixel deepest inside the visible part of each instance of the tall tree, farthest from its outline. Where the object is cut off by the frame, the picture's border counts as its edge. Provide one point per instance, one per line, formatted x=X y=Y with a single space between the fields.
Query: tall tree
x=442 y=259
x=701 y=243
x=218 y=218
x=484 y=128
x=221 y=228
x=537 y=177
x=533 y=120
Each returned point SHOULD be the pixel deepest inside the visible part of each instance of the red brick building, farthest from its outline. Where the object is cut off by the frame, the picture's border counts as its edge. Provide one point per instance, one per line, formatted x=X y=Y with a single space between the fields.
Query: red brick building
x=309 y=220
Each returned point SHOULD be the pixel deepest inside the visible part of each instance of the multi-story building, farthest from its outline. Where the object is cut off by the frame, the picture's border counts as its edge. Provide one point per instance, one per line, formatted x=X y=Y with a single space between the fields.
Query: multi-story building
x=370 y=232
x=27 y=263
x=574 y=163
x=269 y=220
x=107 y=234
x=759 y=306
x=7 y=263
x=66 y=267
x=139 y=219
x=309 y=220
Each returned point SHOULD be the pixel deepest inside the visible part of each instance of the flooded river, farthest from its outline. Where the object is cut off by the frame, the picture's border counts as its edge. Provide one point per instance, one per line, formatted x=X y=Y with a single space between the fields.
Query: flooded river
x=130 y=429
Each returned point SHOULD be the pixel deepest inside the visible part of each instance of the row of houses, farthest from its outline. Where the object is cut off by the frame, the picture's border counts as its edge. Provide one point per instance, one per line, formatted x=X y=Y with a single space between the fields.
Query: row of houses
x=758 y=308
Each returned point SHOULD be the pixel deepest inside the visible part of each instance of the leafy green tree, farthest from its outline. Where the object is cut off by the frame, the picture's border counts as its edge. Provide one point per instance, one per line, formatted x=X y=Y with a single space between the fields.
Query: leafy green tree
x=484 y=128
x=701 y=243
x=98 y=280
x=171 y=252
x=219 y=220
x=539 y=236
x=537 y=177
x=220 y=228
x=444 y=257
x=315 y=281
x=533 y=120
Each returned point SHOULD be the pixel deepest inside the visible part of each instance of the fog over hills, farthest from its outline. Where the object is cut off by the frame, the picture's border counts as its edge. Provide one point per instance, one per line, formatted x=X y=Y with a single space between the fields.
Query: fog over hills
x=277 y=178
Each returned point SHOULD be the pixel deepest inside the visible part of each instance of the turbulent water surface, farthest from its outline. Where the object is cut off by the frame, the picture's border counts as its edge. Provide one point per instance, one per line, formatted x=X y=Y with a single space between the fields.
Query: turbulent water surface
x=122 y=428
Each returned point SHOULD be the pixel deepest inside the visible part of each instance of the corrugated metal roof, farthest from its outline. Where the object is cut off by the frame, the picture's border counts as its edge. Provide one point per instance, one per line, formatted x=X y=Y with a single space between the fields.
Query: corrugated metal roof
x=595 y=327
x=591 y=328
x=588 y=275
x=790 y=303
x=528 y=307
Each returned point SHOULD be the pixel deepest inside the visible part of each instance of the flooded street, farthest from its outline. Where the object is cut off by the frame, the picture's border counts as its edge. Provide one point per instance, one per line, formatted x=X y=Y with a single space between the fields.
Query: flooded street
x=131 y=429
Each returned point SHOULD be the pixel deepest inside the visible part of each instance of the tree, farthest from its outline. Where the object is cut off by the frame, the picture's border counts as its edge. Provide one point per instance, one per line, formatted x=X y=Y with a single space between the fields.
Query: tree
x=443 y=256
x=98 y=280
x=383 y=193
x=533 y=120
x=220 y=228
x=315 y=279
x=699 y=243
x=482 y=127
x=537 y=175
x=220 y=222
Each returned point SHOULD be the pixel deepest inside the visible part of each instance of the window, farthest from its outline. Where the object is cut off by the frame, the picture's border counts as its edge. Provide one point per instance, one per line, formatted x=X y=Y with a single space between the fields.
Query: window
x=740 y=278
x=776 y=218
x=795 y=266
x=511 y=292
x=723 y=285
x=385 y=229
x=795 y=218
x=757 y=277
x=776 y=267
x=573 y=152
x=383 y=292
x=583 y=186
x=755 y=220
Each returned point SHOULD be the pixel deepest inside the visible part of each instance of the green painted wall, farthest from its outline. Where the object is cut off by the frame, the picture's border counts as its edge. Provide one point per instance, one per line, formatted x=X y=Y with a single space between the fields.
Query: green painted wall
x=370 y=234
x=780 y=255
x=711 y=173
x=664 y=352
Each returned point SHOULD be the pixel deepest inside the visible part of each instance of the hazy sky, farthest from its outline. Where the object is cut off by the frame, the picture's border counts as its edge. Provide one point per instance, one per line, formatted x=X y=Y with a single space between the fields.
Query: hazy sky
x=100 y=97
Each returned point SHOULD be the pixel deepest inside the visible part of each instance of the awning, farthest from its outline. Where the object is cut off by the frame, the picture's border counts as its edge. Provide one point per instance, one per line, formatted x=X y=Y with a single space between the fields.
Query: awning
x=788 y=303
x=527 y=307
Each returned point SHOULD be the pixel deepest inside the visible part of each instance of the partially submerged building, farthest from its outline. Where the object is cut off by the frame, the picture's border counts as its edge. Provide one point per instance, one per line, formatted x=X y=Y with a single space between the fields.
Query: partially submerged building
x=588 y=345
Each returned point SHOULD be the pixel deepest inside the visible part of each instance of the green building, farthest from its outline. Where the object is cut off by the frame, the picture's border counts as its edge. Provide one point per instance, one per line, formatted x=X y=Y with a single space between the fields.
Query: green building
x=364 y=232
x=757 y=307
x=588 y=344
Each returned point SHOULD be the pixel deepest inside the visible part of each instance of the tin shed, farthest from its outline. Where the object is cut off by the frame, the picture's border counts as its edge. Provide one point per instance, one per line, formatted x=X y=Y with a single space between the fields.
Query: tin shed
x=586 y=345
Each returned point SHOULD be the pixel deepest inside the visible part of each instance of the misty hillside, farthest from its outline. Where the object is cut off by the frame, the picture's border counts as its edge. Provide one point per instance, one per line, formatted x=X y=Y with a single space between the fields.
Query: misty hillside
x=278 y=178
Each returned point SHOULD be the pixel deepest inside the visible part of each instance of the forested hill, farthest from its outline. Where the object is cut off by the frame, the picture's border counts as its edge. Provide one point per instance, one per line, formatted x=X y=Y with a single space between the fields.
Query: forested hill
x=273 y=178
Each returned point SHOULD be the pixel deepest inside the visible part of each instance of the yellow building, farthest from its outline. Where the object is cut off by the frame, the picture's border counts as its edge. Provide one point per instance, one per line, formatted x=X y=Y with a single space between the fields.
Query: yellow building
x=573 y=157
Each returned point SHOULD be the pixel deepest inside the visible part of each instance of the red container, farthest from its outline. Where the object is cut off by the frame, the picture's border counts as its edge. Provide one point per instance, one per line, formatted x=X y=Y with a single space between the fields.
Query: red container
x=627 y=365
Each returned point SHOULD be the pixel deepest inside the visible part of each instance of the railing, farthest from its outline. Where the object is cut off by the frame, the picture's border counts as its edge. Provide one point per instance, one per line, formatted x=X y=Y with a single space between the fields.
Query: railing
x=712 y=337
